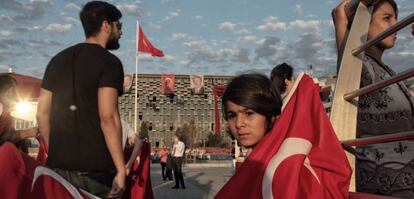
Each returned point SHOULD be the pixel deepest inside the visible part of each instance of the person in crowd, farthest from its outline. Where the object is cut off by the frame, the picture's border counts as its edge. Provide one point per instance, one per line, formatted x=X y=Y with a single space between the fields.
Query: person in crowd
x=380 y=167
x=283 y=79
x=78 y=106
x=130 y=140
x=169 y=166
x=250 y=105
x=8 y=96
x=177 y=154
x=163 y=154
x=197 y=85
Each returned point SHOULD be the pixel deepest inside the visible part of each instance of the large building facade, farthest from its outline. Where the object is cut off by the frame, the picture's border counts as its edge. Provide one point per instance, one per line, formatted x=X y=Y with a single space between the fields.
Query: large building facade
x=164 y=113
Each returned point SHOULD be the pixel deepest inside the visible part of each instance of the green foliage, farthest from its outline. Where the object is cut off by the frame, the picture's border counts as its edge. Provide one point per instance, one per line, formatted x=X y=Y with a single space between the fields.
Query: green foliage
x=214 y=140
x=187 y=134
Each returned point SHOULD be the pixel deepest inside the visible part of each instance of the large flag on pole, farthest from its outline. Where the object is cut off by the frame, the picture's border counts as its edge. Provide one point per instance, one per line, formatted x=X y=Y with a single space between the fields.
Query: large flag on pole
x=300 y=157
x=144 y=45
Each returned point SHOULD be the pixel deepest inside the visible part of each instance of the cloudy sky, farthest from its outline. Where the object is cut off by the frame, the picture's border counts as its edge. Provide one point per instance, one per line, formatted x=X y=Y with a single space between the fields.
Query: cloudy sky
x=197 y=36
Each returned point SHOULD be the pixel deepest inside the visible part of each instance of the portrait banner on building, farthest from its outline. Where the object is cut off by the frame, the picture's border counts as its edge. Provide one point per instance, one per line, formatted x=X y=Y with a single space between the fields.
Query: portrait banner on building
x=167 y=84
x=128 y=78
x=197 y=84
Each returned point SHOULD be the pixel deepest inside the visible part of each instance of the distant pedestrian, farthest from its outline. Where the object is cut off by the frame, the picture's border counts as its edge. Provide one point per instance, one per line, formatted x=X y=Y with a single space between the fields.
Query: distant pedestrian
x=169 y=167
x=177 y=157
x=163 y=154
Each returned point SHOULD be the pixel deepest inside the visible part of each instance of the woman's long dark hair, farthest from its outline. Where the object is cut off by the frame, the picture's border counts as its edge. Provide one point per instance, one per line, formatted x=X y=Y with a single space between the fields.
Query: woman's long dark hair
x=256 y=92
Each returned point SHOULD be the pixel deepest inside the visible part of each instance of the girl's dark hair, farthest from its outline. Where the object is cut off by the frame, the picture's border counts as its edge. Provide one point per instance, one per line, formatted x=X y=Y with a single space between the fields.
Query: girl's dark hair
x=6 y=82
x=94 y=13
x=376 y=5
x=279 y=74
x=256 y=92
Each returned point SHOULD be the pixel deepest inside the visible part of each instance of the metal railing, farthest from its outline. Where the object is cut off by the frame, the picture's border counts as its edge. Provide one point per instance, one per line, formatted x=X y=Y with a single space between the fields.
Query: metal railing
x=409 y=135
x=379 y=85
x=391 y=30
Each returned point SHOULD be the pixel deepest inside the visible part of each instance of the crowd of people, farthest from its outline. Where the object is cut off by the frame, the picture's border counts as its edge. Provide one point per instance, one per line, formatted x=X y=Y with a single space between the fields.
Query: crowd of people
x=78 y=115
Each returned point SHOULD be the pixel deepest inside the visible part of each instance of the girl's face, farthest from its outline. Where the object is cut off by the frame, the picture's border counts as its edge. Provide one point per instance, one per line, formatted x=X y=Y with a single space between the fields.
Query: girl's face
x=247 y=126
x=383 y=17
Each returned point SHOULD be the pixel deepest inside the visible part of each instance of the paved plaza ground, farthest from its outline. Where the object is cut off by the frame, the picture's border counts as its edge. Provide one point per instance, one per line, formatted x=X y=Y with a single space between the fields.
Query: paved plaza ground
x=202 y=181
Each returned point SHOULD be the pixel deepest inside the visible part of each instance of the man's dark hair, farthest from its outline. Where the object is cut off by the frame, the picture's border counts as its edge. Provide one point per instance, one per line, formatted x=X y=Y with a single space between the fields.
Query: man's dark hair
x=94 y=13
x=279 y=74
x=6 y=82
x=256 y=92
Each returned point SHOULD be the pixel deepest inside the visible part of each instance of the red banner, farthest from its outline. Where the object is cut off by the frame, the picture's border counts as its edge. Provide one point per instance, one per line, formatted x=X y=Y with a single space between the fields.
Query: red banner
x=217 y=91
x=167 y=84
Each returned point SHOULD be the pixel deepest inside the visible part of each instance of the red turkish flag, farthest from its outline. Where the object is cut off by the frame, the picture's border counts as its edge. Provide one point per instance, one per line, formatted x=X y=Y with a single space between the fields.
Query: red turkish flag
x=23 y=177
x=43 y=151
x=144 y=45
x=300 y=157
x=141 y=184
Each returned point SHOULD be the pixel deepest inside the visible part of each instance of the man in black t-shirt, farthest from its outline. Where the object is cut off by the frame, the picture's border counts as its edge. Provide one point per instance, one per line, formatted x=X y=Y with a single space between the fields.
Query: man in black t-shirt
x=78 y=106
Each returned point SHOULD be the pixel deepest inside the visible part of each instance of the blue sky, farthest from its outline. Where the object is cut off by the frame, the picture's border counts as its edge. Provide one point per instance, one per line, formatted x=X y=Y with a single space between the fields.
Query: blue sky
x=220 y=37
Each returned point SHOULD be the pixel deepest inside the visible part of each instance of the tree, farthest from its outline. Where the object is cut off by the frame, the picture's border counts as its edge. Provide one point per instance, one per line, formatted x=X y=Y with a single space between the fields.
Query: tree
x=214 y=140
x=187 y=134
x=143 y=131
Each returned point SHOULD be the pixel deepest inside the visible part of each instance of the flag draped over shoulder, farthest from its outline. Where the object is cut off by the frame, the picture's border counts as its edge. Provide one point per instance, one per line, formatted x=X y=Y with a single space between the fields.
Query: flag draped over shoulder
x=300 y=157
x=141 y=185
x=144 y=45
x=23 y=177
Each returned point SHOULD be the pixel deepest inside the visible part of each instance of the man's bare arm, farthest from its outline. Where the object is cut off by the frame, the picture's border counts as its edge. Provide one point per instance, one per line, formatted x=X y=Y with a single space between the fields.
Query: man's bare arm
x=111 y=127
x=43 y=114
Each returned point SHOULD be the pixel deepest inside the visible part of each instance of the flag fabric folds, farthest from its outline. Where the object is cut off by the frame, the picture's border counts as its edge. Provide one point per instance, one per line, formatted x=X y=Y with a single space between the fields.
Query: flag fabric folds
x=141 y=183
x=144 y=45
x=217 y=91
x=23 y=177
x=300 y=157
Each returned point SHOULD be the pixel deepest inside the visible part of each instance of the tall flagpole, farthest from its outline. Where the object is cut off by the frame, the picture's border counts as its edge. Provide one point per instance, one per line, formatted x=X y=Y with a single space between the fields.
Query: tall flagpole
x=136 y=79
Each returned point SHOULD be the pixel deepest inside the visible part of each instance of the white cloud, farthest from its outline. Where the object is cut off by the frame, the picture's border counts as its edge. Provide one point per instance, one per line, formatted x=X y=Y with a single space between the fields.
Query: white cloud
x=6 y=19
x=298 y=9
x=168 y=58
x=155 y=26
x=310 y=24
x=198 y=17
x=227 y=25
x=242 y=31
x=6 y=33
x=195 y=44
x=72 y=7
x=58 y=28
x=144 y=57
x=132 y=9
x=178 y=36
x=72 y=20
x=271 y=23
x=250 y=39
x=171 y=15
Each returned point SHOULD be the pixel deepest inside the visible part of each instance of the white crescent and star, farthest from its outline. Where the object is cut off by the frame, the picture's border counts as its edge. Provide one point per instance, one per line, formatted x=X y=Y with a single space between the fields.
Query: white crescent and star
x=289 y=147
